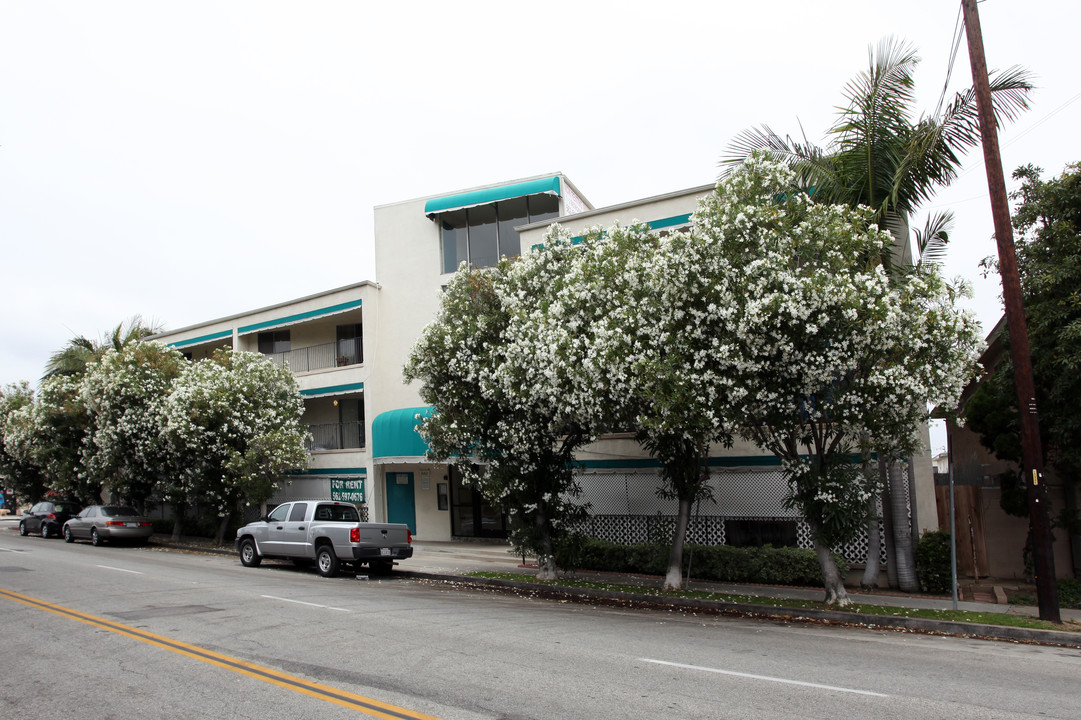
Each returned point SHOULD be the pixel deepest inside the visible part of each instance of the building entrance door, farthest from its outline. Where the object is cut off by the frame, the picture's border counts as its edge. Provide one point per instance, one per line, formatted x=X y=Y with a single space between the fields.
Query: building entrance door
x=471 y=514
x=401 y=502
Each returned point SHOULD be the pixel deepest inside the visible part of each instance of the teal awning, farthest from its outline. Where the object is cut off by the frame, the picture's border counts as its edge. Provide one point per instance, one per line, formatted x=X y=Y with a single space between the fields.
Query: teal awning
x=490 y=195
x=394 y=434
x=333 y=390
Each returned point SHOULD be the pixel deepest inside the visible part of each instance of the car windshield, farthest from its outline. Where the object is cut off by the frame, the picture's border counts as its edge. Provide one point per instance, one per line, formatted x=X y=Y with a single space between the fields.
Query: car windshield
x=110 y=510
x=66 y=508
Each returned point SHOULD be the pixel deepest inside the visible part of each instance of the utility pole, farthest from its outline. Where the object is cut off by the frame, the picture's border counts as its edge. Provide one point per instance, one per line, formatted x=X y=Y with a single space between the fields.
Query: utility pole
x=1031 y=451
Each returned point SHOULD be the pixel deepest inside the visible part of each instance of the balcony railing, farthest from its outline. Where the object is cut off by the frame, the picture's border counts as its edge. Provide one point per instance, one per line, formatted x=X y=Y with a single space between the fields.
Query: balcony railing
x=336 y=436
x=320 y=357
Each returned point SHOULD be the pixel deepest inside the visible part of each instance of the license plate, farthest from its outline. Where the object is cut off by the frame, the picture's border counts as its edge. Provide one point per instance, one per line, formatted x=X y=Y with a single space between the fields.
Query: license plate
x=131 y=524
x=384 y=551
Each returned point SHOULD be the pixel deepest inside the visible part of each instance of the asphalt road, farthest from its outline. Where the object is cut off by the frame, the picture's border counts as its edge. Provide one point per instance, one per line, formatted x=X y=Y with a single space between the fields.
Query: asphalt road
x=135 y=633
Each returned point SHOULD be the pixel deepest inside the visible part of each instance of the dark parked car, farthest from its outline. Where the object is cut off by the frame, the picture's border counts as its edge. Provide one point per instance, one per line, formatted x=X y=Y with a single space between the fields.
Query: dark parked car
x=99 y=523
x=47 y=517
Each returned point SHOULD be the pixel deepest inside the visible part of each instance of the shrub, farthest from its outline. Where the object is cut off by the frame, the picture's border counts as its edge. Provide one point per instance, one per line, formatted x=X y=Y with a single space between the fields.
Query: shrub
x=1069 y=593
x=770 y=565
x=933 y=566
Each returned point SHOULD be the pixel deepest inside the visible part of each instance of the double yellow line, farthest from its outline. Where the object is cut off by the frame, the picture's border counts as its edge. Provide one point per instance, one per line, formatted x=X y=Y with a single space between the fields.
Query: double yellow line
x=289 y=682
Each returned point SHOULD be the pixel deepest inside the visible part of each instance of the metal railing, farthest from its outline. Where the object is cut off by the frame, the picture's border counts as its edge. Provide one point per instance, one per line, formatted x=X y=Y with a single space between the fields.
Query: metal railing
x=320 y=357
x=336 y=436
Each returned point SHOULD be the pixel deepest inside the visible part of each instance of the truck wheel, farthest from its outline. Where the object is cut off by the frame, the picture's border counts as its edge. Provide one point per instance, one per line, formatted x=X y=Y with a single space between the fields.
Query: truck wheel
x=249 y=556
x=327 y=561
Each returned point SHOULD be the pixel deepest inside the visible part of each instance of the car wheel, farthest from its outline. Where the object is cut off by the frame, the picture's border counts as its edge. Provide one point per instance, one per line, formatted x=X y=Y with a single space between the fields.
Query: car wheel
x=45 y=530
x=68 y=537
x=381 y=567
x=22 y=528
x=327 y=561
x=95 y=539
x=249 y=556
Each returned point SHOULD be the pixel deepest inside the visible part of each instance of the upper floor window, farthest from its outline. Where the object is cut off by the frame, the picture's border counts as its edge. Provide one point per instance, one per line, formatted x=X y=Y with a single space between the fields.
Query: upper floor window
x=276 y=341
x=481 y=235
x=350 y=349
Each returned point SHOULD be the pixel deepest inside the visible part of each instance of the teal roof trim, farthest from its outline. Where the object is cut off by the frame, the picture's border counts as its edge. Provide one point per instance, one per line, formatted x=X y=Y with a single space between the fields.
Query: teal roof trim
x=653 y=463
x=201 y=339
x=333 y=471
x=669 y=222
x=333 y=390
x=490 y=195
x=653 y=224
x=394 y=433
x=300 y=317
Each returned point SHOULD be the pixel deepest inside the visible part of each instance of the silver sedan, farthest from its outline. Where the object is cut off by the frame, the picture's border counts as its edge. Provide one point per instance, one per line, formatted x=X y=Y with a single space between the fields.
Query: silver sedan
x=99 y=523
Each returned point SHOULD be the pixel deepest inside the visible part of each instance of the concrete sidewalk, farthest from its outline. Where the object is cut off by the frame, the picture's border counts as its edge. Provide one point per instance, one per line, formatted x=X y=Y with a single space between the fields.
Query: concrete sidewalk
x=453 y=561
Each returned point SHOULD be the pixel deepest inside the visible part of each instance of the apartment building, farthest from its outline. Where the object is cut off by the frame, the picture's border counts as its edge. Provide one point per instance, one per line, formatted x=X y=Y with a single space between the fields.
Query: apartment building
x=347 y=347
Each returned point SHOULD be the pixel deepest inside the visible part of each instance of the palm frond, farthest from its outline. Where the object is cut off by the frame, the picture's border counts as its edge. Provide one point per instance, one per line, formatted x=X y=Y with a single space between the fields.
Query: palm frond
x=932 y=240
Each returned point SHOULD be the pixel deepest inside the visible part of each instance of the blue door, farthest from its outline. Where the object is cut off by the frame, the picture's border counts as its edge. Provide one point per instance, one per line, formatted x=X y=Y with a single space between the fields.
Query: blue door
x=401 y=503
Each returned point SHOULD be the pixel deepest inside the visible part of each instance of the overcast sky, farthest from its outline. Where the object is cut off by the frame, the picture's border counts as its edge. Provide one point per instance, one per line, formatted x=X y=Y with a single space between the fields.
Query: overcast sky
x=187 y=161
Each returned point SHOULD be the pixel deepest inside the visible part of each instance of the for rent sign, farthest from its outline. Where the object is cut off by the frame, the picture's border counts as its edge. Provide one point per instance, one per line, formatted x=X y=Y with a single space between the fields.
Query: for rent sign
x=344 y=490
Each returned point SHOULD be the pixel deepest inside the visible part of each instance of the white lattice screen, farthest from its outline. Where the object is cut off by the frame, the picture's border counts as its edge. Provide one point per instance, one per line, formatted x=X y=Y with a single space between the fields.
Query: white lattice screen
x=624 y=507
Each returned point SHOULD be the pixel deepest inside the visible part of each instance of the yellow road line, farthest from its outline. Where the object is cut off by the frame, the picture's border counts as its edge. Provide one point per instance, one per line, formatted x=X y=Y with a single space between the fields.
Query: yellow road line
x=360 y=703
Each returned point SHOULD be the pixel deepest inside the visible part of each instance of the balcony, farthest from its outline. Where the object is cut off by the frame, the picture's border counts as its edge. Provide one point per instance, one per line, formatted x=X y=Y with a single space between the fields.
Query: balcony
x=320 y=357
x=336 y=436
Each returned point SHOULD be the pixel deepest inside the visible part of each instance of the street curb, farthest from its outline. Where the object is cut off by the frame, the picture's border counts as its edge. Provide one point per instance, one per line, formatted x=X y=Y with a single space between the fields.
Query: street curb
x=772 y=612
x=752 y=610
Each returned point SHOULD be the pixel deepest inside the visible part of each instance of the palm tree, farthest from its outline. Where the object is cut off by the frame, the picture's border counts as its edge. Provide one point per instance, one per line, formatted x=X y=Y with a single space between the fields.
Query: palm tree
x=880 y=155
x=80 y=351
x=877 y=154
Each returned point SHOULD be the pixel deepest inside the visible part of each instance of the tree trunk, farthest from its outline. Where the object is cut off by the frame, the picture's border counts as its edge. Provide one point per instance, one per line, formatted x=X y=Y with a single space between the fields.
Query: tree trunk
x=178 y=521
x=902 y=531
x=887 y=526
x=546 y=559
x=219 y=539
x=674 y=579
x=874 y=550
x=831 y=576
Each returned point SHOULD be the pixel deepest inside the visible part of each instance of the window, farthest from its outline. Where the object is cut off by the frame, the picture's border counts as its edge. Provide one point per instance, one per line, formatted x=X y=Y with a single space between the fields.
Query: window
x=351 y=416
x=337 y=513
x=483 y=234
x=280 y=513
x=276 y=341
x=299 y=510
x=350 y=344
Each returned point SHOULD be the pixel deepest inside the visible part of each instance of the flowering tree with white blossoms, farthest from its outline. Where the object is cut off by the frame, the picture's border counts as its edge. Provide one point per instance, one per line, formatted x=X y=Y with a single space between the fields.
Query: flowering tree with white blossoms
x=233 y=421
x=829 y=358
x=477 y=368
x=52 y=434
x=125 y=390
x=617 y=342
x=17 y=466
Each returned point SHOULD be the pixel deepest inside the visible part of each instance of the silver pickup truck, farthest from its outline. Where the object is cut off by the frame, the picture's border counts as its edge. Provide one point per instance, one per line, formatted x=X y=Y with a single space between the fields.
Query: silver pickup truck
x=324 y=531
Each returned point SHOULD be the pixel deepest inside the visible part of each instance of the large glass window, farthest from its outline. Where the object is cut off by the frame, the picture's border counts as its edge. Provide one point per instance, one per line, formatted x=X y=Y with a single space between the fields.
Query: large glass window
x=511 y=213
x=455 y=241
x=481 y=235
x=350 y=344
x=483 y=238
x=274 y=342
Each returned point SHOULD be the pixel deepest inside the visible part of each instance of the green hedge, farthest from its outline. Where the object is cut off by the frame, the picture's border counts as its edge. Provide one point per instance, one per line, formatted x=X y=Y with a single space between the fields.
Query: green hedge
x=1069 y=593
x=767 y=565
x=933 y=566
